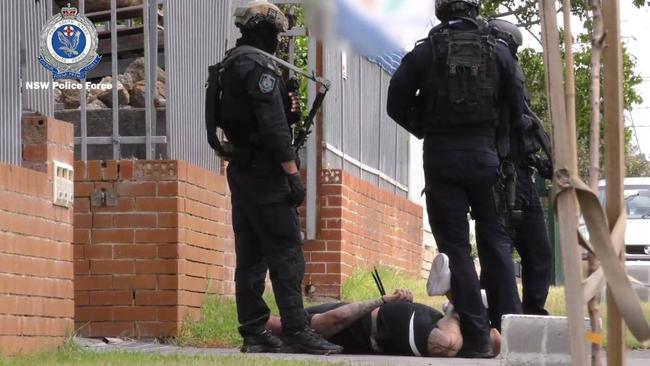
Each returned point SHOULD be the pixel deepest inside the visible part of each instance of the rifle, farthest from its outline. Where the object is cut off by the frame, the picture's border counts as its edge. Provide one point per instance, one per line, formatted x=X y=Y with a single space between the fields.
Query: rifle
x=508 y=182
x=324 y=86
x=540 y=133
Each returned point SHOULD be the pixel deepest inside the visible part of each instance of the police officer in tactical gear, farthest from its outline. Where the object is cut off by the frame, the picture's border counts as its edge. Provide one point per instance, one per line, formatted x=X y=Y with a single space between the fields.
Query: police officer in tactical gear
x=265 y=184
x=448 y=90
x=529 y=233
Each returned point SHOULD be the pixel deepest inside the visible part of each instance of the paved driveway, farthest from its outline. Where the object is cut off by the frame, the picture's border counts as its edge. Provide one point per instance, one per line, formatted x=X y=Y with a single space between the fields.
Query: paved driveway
x=635 y=358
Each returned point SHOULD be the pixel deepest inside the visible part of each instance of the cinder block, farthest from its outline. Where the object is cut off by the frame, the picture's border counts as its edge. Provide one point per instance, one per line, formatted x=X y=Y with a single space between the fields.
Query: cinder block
x=536 y=340
x=524 y=339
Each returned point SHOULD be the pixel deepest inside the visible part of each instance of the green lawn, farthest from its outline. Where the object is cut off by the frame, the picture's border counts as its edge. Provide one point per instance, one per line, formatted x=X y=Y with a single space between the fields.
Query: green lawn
x=70 y=355
x=218 y=326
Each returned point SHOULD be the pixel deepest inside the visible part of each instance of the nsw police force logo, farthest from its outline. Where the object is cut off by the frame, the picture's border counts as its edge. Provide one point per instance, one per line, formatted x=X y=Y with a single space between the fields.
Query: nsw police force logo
x=68 y=46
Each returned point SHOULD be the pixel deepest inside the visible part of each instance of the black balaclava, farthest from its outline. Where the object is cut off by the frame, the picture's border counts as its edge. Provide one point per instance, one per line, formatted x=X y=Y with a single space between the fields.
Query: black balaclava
x=263 y=36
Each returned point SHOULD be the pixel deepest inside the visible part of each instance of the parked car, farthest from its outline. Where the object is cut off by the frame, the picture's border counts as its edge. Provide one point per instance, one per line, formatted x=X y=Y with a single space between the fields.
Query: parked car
x=637 y=202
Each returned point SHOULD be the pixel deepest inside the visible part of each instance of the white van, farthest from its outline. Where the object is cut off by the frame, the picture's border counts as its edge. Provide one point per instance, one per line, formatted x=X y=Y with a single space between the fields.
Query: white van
x=637 y=233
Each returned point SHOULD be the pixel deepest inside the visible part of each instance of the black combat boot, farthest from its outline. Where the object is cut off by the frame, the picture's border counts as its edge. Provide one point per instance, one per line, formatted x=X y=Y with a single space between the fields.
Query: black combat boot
x=476 y=348
x=264 y=342
x=308 y=341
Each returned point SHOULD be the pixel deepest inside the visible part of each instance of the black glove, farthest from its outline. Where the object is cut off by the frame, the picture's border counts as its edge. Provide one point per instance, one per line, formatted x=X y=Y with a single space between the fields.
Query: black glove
x=293 y=88
x=297 y=194
x=544 y=167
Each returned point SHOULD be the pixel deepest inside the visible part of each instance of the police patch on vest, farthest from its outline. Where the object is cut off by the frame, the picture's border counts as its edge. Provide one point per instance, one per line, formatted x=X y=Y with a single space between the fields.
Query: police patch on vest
x=267 y=83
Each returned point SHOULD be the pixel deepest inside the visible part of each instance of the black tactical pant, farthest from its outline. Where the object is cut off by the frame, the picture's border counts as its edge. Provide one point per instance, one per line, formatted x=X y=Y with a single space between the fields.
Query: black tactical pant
x=456 y=181
x=533 y=245
x=267 y=238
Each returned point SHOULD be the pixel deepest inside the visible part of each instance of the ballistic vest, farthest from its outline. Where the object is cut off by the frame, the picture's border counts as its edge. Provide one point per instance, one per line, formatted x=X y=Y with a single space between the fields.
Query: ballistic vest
x=463 y=85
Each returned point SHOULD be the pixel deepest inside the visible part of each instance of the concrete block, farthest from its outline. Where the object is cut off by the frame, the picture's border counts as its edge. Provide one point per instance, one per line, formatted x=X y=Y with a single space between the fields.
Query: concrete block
x=536 y=340
x=641 y=271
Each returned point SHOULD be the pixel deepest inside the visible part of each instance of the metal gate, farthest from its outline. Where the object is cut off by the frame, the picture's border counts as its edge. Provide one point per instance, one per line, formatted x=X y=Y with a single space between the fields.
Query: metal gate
x=10 y=103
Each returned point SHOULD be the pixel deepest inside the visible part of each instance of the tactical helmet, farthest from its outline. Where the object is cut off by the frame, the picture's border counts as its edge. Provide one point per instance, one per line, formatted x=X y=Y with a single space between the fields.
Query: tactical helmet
x=260 y=11
x=441 y=4
x=503 y=29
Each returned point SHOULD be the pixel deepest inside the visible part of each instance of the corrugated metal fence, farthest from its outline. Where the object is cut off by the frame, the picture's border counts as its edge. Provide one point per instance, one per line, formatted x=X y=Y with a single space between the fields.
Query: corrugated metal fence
x=359 y=137
x=10 y=103
x=20 y=26
x=196 y=36
x=35 y=15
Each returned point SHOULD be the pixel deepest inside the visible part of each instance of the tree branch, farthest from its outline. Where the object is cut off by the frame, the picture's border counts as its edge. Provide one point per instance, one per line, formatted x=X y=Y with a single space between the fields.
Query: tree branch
x=521 y=23
x=527 y=5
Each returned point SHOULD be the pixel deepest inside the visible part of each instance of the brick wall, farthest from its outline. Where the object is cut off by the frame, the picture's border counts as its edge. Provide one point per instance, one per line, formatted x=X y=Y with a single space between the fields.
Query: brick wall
x=428 y=254
x=206 y=241
x=145 y=261
x=361 y=225
x=36 y=289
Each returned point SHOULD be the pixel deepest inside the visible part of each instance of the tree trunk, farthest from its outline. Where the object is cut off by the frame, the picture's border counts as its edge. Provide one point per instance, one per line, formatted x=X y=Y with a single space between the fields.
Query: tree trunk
x=597 y=38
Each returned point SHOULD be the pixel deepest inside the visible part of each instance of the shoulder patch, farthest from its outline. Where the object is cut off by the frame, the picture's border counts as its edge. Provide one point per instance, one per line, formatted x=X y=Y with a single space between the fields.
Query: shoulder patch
x=267 y=83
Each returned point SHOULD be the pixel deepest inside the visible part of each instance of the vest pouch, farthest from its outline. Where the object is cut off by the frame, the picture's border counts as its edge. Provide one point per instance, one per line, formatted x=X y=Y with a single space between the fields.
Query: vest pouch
x=466 y=80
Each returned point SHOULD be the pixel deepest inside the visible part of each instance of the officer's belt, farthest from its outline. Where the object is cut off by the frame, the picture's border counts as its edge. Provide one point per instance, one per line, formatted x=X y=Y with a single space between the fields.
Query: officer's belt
x=438 y=142
x=245 y=156
x=461 y=130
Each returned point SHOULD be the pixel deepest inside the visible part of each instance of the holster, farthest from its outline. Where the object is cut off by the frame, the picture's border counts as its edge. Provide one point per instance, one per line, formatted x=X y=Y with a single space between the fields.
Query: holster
x=505 y=193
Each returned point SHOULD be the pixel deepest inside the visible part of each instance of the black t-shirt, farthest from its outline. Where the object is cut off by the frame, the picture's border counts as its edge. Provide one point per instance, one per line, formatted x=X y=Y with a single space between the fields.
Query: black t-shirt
x=394 y=326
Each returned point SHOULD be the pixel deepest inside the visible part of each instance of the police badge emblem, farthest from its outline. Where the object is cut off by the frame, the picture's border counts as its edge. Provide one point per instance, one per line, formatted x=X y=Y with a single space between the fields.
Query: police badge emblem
x=267 y=83
x=68 y=45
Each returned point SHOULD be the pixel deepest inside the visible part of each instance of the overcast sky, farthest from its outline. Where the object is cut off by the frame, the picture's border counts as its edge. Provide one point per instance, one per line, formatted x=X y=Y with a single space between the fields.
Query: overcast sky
x=636 y=33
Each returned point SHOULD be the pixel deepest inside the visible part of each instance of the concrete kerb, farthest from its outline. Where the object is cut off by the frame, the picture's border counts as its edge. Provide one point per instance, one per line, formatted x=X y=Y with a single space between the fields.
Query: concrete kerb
x=634 y=358
x=536 y=340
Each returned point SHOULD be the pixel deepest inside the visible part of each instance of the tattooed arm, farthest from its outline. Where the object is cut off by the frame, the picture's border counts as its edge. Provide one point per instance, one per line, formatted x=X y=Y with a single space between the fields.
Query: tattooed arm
x=329 y=323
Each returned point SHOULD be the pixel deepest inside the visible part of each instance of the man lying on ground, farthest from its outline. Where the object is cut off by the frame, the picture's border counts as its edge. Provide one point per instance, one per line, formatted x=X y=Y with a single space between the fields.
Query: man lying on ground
x=392 y=324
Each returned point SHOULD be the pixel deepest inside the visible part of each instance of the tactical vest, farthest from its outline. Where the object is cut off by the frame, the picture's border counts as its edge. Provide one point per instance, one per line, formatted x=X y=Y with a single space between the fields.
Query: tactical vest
x=465 y=78
x=226 y=110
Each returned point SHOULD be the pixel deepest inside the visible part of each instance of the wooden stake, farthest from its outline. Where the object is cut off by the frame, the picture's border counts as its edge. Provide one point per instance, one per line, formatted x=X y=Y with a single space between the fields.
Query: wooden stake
x=564 y=137
x=614 y=160
x=597 y=39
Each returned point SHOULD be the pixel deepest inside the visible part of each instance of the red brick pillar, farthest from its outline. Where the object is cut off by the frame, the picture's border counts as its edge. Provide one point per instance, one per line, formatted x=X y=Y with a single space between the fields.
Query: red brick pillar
x=36 y=289
x=46 y=140
x=149 y=247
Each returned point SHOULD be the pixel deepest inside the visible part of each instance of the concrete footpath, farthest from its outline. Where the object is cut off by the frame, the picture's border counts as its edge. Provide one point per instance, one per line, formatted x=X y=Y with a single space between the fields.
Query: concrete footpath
x=634 y=358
